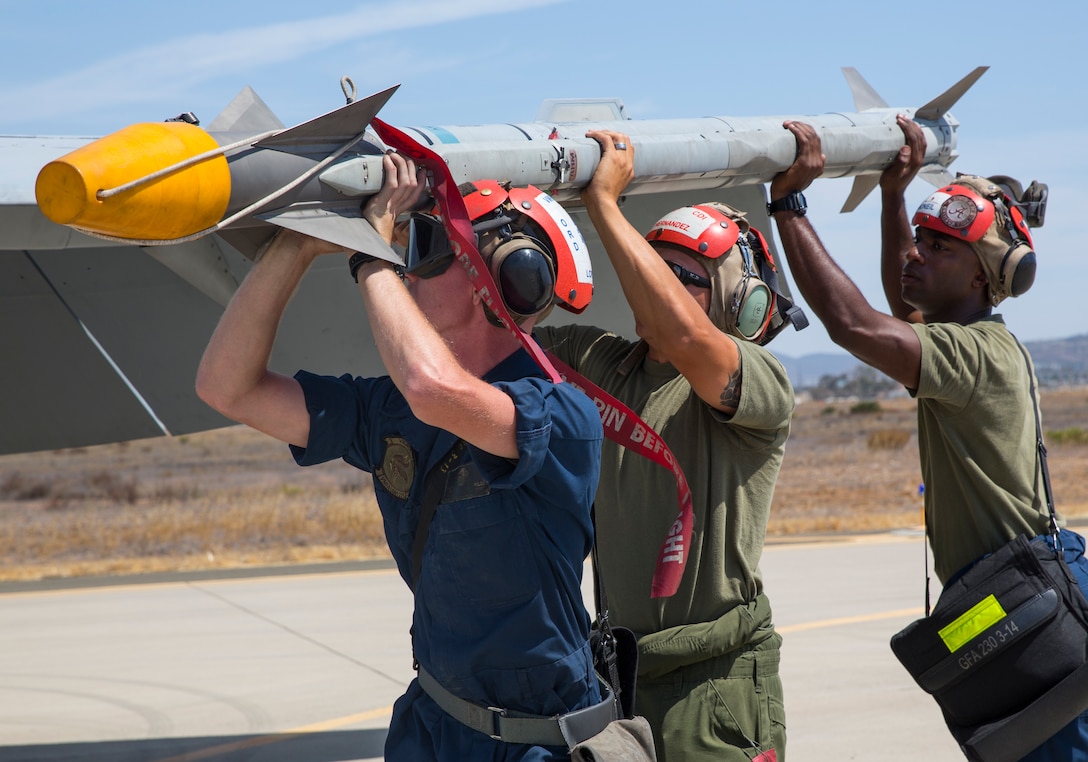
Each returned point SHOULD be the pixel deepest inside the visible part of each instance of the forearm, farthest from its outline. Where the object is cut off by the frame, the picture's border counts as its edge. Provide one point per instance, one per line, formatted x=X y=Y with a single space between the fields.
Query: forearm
x=896 y=243
x=411 y=349
x=428 y=371
x=830 y=293
x=661 y=306
x=879 y=340
x=233 y=375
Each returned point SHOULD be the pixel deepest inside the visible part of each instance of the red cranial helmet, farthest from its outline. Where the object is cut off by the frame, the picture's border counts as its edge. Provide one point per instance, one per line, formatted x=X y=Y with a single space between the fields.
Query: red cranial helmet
x=979 y=211
x=735 y=257
x=532 y=246
x=956 y=210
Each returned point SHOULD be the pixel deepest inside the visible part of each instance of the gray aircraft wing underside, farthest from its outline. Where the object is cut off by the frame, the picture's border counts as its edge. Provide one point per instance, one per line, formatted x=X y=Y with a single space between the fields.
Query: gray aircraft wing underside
x=101 y=342
x=101 y=332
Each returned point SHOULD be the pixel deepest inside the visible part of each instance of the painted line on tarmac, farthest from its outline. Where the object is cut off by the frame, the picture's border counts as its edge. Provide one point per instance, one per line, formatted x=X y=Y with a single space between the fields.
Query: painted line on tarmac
x=287 y=735
x=912 y=613
x=339 y=722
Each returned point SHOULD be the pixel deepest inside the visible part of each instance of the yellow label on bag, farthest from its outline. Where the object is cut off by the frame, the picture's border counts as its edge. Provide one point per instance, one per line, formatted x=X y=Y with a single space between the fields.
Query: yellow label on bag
x=971 y=623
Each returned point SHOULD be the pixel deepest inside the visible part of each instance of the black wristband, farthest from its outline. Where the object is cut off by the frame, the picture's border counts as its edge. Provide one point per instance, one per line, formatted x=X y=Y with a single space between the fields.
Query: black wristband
x=358 y=259
x=794 y=202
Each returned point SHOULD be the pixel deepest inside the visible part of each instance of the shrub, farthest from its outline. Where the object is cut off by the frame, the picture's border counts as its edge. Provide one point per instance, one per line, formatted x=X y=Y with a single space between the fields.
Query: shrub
x=870 y=406
x=18 y=487
x=888 y=439
x=1072 y=435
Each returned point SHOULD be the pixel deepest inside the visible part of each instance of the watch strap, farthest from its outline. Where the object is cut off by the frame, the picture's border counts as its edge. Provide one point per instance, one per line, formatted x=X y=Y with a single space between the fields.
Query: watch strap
x=357 y=260
x=793 y=202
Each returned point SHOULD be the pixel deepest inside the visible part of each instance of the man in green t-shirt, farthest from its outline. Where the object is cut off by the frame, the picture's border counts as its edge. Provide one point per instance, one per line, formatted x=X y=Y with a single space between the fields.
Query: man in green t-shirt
x=708 y=655
x=976 y=412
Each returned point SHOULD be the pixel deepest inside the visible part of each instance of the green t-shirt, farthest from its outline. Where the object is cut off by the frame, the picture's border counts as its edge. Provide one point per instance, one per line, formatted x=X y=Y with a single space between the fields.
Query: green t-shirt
x=976 y=440
x=731 y=465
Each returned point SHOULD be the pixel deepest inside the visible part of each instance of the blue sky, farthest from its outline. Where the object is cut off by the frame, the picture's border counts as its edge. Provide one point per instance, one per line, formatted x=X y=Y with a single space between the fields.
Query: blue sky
x=72 y=68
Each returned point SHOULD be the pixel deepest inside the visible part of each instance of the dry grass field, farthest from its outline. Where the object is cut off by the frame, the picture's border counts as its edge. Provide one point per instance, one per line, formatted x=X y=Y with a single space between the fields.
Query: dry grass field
x=232 y=497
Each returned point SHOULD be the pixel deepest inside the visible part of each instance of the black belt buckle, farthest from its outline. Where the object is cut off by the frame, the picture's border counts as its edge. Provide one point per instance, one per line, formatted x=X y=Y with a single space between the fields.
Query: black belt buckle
x=497 y=716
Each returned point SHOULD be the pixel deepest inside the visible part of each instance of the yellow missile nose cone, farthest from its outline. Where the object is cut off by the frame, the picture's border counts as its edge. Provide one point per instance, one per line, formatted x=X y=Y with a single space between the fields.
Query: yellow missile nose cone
x=66 y=197
x=178 y=204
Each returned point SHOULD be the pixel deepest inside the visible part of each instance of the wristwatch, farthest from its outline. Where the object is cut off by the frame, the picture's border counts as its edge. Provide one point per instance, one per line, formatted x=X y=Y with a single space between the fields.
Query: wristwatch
x=794 y=202
x=358 y=259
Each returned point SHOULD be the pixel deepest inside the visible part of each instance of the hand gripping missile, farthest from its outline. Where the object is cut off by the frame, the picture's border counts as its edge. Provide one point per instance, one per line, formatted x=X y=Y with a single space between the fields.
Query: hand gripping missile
x=164 y=183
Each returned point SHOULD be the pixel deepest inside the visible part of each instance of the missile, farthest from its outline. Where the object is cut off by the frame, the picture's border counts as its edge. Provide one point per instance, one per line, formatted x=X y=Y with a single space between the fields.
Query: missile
x=245 y=175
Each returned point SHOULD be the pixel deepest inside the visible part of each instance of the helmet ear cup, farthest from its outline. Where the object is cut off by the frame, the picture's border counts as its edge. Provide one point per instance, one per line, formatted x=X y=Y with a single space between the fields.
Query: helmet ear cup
x=752 y=307
x=1018 y=269
x=525 y=276
x=1015 y=272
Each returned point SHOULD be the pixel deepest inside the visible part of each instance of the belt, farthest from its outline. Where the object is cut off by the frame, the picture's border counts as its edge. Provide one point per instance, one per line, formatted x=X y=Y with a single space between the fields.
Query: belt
x=517 y=727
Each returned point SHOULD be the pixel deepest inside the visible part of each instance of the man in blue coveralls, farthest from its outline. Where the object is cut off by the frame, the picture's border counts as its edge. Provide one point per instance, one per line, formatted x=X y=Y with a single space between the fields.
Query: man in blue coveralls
x=500 y=631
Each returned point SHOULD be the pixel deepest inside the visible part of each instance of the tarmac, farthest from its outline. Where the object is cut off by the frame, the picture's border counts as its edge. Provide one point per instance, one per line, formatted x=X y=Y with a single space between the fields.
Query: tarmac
x=304 y=663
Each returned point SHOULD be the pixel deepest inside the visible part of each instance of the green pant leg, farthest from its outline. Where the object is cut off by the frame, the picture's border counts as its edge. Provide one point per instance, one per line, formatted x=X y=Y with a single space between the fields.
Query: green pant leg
x=728 y=709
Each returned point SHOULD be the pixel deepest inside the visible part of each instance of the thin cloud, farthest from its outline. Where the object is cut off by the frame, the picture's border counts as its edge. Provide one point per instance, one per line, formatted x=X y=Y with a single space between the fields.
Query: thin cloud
x=184 y=63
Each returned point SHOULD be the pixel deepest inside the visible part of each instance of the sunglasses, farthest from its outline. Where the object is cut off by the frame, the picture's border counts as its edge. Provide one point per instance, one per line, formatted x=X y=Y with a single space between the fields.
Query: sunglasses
x=428 y=253
x=686 y=276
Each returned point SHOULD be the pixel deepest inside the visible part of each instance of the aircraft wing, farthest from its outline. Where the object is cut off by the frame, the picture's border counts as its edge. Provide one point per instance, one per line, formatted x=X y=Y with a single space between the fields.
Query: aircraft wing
x=101 y=340
x=103 y=320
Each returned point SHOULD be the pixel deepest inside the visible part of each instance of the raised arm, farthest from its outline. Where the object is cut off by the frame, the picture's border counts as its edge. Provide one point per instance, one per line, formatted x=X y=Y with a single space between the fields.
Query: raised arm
x=896 y=241
x=671 y=321
x=233 y=377
x=882 y=341
x=435 y=372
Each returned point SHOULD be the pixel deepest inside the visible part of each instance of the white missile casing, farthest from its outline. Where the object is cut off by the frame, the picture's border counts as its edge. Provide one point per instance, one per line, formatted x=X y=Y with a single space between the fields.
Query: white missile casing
x=314 y=176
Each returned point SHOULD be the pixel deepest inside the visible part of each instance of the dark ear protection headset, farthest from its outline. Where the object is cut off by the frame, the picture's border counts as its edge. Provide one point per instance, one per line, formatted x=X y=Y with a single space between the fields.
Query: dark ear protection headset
x=519 y=263
x=1020 y=209
x=532 y=246
x=1016 y=272
x=784 y=312
x=982 y=212
x=752 y=301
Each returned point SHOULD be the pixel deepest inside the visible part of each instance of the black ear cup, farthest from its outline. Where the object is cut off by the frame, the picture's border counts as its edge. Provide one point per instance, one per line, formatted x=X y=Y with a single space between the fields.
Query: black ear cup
x=1018 y=269
x=525 y=276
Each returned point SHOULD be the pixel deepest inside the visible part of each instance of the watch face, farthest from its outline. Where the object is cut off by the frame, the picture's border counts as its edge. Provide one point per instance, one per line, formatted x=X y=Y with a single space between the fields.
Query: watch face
x=958 y=212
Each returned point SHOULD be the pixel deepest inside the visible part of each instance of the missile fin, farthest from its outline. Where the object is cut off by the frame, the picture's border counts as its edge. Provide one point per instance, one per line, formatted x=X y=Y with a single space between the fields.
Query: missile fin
x=567 y=110
x=342 y=225
x=865 y=97
x=246 y=113
x=939 y=106
x=862 y=187
x=937 y=176
x=337 y=126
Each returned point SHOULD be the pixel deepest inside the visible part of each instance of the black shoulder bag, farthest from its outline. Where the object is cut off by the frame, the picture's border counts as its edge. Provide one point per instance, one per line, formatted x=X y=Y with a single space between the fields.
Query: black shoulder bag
x=1005 y=651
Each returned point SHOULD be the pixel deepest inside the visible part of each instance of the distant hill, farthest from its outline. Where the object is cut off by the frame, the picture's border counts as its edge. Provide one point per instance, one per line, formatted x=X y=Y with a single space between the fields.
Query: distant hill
x=1058 y=362
x=806 y=371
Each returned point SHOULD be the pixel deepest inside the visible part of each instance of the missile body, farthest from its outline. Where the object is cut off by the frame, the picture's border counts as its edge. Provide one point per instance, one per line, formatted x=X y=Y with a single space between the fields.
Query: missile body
x=153 y=185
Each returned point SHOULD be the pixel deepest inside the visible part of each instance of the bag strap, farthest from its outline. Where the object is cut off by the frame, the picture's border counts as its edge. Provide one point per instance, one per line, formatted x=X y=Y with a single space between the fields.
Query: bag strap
x=1041 y=448
x=432 y=494
x=600 y=601
x=1047 y=490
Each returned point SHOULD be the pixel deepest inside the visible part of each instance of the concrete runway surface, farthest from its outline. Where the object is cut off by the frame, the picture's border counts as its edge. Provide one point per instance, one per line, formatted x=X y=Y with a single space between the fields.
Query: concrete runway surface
x=305 y=666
